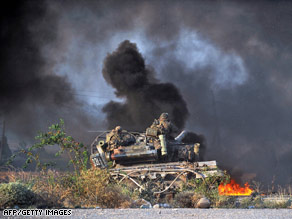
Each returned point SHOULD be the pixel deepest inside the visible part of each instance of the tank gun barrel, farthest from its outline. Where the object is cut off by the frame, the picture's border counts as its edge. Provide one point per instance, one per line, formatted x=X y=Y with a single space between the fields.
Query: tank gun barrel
x=180 y=137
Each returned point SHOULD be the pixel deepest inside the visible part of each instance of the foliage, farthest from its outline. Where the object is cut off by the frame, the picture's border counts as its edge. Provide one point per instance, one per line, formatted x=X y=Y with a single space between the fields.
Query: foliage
x=53 y=187
x=90 y=188
x=271 y=204
x=207 y=187
x=259 y=202
x=226 y=202
x=56 y=135
x=184 y=199
x=81 y=188
x=95 y=187
x=250 y=202
x=194 y=189
x=15 y=193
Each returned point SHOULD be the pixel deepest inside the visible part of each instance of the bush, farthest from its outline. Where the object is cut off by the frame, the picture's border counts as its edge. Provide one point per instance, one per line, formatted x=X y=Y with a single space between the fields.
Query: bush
x=226 y=202
x=271 y=204
x=91 y=188
x=184 y=199
x=209 y=187
x=256 y=201
x=53 y=188
x=246 y=202
x=95 y=188
x=56 y=135
x=15 y=193
x=83 y=187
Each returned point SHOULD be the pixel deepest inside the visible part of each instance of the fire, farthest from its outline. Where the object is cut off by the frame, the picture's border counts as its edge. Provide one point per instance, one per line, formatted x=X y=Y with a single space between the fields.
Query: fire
x=234 y=189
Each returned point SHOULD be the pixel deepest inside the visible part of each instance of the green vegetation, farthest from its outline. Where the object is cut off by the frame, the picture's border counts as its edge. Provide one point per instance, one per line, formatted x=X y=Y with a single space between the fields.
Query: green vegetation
x=84 y=187
x=56 y=135
x=186 y=199
x=88 y=189
x=15 y=193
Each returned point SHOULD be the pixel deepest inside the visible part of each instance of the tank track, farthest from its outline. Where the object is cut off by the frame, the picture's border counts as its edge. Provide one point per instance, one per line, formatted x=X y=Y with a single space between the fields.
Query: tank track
x=165 y=175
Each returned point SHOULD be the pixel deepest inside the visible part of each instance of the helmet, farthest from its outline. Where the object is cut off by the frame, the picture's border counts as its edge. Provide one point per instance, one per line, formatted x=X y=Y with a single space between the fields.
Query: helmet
x=118 y=129
x=163 y=116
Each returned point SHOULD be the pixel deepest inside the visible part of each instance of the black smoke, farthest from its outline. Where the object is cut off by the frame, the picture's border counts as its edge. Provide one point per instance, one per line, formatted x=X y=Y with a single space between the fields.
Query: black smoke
x=32 y=97
x=144 y=97
x=247 y=124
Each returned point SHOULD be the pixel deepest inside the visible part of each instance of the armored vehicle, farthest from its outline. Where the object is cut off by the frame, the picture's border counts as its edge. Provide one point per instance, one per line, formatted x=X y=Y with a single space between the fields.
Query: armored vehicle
x=144 y=158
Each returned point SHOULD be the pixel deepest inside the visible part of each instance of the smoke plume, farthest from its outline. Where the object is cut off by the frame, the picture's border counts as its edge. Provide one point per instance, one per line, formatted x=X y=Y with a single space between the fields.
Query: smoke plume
x=230 y=61
x=32 y=97
x=145 y=98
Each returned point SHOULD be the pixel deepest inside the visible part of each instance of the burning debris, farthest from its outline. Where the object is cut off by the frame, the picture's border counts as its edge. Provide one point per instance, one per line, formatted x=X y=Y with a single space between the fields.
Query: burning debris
x=234 y=189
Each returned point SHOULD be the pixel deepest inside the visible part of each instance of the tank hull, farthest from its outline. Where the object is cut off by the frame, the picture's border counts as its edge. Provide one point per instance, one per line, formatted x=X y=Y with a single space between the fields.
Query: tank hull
x=144 y=162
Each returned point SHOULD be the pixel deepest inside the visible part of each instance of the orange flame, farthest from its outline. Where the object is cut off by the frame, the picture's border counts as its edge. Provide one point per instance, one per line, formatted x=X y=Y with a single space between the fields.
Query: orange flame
x=234 y=189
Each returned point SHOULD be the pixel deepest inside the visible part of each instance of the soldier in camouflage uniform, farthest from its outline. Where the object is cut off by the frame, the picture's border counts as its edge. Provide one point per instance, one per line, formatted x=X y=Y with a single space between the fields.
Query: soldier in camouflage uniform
x=163 y=125
x=119 y=137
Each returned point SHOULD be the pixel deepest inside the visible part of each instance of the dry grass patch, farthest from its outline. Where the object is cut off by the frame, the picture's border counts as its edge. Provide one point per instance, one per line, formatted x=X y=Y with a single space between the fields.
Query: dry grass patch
x=89 y=189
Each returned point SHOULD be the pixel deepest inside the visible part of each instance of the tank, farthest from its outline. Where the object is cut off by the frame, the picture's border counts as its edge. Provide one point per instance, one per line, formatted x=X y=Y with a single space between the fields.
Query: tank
x=151 y=158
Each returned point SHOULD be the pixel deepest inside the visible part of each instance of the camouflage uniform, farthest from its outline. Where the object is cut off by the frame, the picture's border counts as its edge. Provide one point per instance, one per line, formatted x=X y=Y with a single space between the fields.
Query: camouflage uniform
x=163 y=125
x=119 y=137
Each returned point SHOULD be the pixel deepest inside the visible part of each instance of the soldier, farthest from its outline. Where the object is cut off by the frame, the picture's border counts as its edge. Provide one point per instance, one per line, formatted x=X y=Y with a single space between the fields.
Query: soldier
x=163 y=125
x=119 y=137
